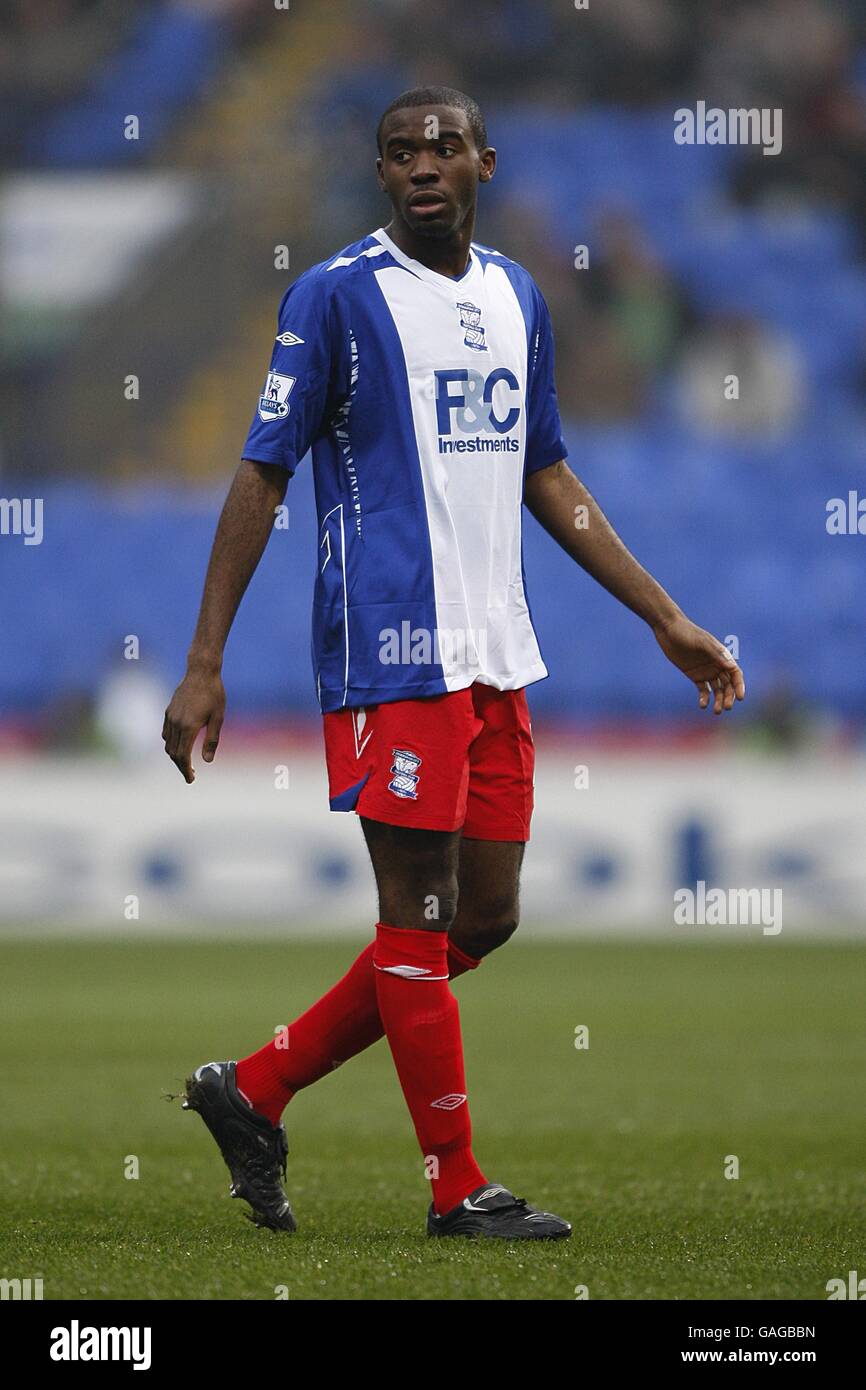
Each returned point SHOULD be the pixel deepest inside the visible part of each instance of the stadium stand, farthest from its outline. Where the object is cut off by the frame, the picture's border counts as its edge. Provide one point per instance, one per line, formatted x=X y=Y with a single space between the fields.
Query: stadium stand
x=697 y=255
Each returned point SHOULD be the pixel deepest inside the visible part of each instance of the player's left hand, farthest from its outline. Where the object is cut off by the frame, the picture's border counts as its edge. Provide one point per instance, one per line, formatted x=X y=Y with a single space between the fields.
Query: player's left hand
x=703 y=658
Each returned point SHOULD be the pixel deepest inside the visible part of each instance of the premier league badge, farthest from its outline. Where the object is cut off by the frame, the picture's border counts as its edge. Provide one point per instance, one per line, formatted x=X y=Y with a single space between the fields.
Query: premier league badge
x=274 y=400
x=470 y=322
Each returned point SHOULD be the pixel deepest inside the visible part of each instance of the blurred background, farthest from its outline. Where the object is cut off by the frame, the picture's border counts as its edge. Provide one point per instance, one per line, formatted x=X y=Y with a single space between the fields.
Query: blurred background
x=168 y=168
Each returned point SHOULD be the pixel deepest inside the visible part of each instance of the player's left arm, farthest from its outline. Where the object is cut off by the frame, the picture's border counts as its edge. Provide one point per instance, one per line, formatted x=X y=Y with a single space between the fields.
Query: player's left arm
x=556 y=497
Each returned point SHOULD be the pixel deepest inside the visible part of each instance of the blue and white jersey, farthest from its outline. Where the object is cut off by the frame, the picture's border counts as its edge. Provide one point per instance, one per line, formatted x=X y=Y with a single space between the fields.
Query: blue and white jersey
x=426 y=402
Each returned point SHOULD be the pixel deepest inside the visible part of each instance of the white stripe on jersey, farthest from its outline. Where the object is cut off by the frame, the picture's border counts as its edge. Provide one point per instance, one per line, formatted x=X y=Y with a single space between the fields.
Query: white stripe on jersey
x=473 y=500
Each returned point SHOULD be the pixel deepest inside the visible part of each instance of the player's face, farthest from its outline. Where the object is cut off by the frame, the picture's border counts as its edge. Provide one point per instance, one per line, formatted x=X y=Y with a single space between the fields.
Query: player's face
x=431 y=169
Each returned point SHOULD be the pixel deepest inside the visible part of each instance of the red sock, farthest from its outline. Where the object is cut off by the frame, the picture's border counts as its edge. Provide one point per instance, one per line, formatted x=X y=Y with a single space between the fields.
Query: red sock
x=422 y=1024
x=341 y=1024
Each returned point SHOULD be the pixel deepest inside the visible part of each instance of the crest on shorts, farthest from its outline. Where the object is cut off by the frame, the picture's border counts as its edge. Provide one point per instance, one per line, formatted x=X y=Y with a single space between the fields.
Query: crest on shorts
x=404 y=774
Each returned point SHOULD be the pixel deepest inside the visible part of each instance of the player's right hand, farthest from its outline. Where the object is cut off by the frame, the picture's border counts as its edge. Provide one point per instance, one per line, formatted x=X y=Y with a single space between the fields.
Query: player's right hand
x=199 y=701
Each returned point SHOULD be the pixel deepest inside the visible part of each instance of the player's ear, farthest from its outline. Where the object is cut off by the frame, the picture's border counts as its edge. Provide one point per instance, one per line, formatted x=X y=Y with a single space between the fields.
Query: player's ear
x=487 y=165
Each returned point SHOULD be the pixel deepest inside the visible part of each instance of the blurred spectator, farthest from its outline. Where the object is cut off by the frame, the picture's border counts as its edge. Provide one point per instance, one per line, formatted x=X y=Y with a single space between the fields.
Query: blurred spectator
x=769 y=387
x=47 y=52
x=129 y=710
x=783 y=723
x=633 y=306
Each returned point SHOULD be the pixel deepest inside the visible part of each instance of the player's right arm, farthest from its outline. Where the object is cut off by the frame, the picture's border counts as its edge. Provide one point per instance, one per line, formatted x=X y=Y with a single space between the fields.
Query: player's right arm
x=244 y=526
x=292 y=406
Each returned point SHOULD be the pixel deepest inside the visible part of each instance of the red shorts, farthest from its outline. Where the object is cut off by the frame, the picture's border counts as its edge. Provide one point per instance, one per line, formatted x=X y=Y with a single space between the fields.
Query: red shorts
x=463 y=759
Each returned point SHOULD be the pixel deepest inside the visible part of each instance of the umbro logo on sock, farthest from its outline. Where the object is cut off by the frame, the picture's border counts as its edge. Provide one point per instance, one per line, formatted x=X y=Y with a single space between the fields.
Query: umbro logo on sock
x=449 y=1102
x=409 y=972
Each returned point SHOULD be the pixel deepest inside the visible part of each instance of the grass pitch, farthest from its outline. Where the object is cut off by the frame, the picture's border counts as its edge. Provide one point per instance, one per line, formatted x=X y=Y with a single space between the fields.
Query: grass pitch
x=696 y=1052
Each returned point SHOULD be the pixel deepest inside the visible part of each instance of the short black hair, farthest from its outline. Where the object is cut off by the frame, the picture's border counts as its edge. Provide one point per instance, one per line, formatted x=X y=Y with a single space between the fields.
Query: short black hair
x=439 y=96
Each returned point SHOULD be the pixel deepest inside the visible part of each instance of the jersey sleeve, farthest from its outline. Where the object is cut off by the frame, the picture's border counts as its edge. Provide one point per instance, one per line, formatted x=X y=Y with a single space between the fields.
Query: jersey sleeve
x=292 y=406
x=544 y=441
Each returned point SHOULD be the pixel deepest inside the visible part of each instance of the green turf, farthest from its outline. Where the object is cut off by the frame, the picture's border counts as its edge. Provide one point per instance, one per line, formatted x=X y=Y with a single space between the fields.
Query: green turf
x=696 y=1052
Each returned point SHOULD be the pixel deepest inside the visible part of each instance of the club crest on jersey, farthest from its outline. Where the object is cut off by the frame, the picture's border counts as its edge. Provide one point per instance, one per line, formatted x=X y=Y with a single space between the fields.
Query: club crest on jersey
x=288 y=339
x=404 y=774
x=274 y=400
x=470 y=322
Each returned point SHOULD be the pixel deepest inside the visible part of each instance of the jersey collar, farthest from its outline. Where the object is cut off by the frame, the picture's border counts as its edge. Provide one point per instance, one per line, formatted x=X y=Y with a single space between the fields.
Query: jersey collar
x=424 y=272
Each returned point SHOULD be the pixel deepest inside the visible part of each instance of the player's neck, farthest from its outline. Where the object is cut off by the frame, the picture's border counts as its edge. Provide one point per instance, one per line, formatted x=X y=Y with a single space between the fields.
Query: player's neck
x=448 y=256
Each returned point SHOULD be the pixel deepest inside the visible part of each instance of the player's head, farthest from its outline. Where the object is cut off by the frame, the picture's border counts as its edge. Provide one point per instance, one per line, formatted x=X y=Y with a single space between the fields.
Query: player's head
x=433 y=140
